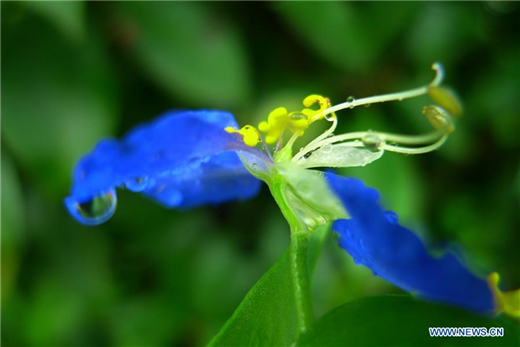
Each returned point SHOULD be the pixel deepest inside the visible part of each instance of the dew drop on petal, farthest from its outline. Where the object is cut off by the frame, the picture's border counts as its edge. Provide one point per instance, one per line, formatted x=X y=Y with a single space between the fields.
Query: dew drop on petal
x=194 y=163
x=137 y=184
x=392 y=217
x=174 y=199
x=326 y=148
x=94 y=211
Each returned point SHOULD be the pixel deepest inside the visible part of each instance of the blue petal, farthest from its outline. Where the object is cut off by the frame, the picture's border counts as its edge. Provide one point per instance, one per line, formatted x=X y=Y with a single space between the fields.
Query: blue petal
x=374 y=238
x=182 y=159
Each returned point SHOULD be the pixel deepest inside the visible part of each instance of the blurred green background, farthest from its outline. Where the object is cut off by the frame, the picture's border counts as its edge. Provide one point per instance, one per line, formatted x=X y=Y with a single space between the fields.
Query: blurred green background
x=74 y=73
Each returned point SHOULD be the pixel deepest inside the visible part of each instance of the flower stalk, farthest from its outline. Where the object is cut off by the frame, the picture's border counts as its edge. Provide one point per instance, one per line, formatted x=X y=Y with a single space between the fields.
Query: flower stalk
x=299 y=256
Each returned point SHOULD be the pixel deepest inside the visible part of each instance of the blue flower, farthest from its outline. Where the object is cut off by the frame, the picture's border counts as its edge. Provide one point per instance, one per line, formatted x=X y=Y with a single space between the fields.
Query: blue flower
x=186 y=159
x=374 y=238
x=183 y=159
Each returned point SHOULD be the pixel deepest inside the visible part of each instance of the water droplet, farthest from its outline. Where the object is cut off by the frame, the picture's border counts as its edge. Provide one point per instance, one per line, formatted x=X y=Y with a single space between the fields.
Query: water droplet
x=326 y=149
x=304 y=187
x=367 y=105
x=137 y=184
x=298 y=116
x=94 y=211
x=330 y=117
x=392 y=217
x=173 y=199
x=351 y=100
x=372 y=140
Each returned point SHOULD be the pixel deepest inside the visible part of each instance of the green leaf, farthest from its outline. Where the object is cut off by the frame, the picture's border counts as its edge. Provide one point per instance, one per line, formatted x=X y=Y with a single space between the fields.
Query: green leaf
x=66 y=16
x=343 y=33
x=58 y=99
x=190 y=52
x=267 y=316
x=401 y=321
x=12 y=217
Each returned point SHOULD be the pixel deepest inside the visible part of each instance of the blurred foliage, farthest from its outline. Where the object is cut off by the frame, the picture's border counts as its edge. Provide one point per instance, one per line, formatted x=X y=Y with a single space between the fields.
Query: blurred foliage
x=73 y=73
x=354 y=324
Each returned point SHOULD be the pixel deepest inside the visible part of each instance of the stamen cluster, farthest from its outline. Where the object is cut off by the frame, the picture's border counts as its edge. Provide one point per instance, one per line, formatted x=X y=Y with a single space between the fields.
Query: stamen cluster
x=280 y=121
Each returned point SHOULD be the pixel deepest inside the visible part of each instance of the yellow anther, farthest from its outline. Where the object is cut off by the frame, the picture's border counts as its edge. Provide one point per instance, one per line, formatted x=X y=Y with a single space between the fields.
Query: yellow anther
x=249 y=133
x=280 y=120
x=264 y=127
x=507 y=302
x=275 y=125
x=297 y=122
x=323 y=102
x=446 y=99
x=439 y=119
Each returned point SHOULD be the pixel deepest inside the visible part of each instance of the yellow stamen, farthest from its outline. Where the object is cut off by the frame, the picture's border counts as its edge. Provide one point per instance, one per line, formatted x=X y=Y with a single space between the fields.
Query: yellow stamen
x=276 y=123
x=295 y=122
x=248 y=132
x=323 y=102
x=507 y=302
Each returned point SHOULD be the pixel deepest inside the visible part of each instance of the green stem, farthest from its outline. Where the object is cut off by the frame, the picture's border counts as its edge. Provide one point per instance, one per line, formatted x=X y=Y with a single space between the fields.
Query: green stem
x=299 y=256
x=301 y=279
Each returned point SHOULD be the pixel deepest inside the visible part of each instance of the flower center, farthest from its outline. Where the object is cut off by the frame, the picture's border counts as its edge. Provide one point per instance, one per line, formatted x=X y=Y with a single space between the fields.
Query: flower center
x=281 y=122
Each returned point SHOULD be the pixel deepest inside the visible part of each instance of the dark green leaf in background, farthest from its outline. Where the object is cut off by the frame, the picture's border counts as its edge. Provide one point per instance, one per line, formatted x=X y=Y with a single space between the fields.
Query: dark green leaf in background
x=12 y=224
x=190 y=53
x=58 y=99
x=68 y=17
x=402 y=321
x=347 y=36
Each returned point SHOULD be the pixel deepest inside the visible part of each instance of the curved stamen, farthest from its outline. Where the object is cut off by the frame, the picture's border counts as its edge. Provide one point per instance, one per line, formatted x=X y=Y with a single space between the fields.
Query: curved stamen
x=293 y=138
x=418 y=150
x=437 y=136
x=439 y=75
x=328 y=132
